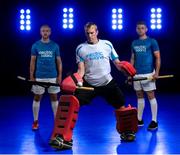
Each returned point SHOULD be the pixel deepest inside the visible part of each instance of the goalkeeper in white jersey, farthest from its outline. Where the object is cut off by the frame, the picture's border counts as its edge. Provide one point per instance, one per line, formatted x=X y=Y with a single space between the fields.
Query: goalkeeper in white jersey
x=93 y=59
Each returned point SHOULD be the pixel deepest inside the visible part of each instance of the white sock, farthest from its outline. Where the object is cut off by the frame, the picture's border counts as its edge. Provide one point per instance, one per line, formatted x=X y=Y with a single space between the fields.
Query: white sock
x=154 y=108
x=141 y=105
x=54 y=105
x=35 y=108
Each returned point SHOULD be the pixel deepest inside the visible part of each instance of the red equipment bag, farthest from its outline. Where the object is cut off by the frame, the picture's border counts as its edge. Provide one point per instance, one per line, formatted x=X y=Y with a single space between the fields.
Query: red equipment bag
x=66 y=117
x=126 y=119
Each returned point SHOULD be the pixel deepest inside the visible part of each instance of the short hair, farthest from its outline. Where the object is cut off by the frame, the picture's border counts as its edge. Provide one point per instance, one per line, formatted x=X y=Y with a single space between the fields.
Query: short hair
x=141 y=23
x=90 y=24
x=45 y=25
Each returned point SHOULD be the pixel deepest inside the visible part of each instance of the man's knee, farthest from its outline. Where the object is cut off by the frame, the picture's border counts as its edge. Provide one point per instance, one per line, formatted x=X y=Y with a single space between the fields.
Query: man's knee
x=150 y=94
x=37 y=97
x=140 y=94
x=53 y=97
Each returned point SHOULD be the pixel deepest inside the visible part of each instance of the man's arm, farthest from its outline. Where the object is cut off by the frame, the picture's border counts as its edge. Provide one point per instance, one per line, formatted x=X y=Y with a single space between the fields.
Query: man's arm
x=132 y=59
x=59 y=69
x=32 y=67
x=157 y=63
x=116 y=63
x=81 y=69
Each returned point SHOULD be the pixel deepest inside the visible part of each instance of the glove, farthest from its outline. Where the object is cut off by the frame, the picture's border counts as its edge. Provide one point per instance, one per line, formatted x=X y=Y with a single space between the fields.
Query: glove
x=127 y=68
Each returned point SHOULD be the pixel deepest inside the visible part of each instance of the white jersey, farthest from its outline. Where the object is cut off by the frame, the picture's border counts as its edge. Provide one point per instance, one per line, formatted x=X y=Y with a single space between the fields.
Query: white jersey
x=96 y=59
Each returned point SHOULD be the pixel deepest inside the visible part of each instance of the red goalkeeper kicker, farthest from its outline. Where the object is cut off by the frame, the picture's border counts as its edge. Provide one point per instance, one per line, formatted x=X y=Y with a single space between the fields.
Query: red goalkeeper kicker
x=127 y=119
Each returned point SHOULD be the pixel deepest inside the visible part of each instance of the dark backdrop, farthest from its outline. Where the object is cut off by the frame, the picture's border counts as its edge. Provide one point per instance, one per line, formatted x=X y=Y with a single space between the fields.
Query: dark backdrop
x=16 y=45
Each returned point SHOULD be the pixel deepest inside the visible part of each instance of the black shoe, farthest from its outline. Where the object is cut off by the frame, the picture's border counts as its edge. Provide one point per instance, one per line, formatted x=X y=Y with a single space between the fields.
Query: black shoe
x=128 y=136
x=140 y=123
x=60 y=143
x=153 y=125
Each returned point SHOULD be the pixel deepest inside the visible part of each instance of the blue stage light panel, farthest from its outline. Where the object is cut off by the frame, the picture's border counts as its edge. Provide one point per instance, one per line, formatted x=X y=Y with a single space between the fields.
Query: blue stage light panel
x=156 y=18
x=68 y=18
x=117 y=19
x=25 y=20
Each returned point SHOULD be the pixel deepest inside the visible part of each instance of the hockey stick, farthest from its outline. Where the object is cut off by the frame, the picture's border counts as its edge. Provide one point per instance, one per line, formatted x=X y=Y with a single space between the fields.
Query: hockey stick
x=48 y=84
x=151 y=78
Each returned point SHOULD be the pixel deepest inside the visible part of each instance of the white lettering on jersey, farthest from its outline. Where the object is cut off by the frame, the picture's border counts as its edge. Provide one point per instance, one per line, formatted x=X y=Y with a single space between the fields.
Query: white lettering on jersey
x=46 y=53
x=95 y=56
x=140 y=48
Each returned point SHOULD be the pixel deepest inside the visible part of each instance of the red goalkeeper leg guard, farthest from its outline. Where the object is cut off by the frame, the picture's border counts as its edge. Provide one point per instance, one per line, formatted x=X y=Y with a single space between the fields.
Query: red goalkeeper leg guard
x=65 y=121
